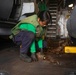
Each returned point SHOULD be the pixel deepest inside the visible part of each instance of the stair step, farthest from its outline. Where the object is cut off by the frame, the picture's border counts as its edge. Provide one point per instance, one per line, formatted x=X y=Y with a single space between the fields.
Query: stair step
x=53 y=20
x=53 y=10
x=54 y=32
x=53 y=4
x=51 y=36
x=53 y=13
x=53 y=28
x=53 y=24
x=53 y=0
x=53 y=7
x=53 y=16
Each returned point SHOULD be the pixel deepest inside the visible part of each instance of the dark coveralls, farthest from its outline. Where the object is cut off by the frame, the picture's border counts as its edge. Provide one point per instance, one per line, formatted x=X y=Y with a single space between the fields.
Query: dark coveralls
x=24 y=38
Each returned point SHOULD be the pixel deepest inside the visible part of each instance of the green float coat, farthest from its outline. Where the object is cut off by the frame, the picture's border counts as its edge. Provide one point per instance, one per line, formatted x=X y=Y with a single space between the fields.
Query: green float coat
x=42 y=6
x=30 y=24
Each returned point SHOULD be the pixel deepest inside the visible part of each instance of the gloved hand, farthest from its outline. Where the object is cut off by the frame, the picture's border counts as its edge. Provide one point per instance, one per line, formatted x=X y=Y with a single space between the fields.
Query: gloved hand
x=40 y=54
x=41 y=50
x=34 y=57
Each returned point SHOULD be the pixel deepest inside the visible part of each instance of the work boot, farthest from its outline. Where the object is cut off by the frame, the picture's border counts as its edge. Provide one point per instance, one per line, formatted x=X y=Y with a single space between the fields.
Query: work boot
x=33 y=56
x=25 y=57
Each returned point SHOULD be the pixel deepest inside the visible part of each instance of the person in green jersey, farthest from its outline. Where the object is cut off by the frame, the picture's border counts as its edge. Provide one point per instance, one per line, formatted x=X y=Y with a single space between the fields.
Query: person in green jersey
x=29 y=30
x=42 y=6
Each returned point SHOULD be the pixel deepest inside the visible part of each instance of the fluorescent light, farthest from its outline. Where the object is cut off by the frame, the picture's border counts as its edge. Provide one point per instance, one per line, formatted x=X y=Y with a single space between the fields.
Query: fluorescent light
x=71 y=5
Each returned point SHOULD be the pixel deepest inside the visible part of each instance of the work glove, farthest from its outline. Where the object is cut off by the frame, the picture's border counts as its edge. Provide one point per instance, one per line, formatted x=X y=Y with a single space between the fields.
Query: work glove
x=40 y=54
x=34 y=57
x=41 y=50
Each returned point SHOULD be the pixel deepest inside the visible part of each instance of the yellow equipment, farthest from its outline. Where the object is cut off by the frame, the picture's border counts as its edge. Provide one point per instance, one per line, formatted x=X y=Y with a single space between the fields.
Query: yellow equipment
x=70 y=49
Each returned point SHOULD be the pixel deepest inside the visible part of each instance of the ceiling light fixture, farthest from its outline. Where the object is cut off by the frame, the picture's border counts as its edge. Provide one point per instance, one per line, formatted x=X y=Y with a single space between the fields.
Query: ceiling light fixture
x=71 y=5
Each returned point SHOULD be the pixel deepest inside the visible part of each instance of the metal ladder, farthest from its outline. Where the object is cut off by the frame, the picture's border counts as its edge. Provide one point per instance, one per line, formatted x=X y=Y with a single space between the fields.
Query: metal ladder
x=52 y=28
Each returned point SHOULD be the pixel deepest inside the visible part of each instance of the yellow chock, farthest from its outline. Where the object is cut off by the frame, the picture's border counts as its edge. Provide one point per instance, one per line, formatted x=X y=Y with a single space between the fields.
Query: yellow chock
x=70 y=49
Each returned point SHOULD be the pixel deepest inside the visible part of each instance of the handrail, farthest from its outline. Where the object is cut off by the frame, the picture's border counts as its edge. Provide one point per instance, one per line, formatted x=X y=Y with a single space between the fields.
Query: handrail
x=60 y=3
